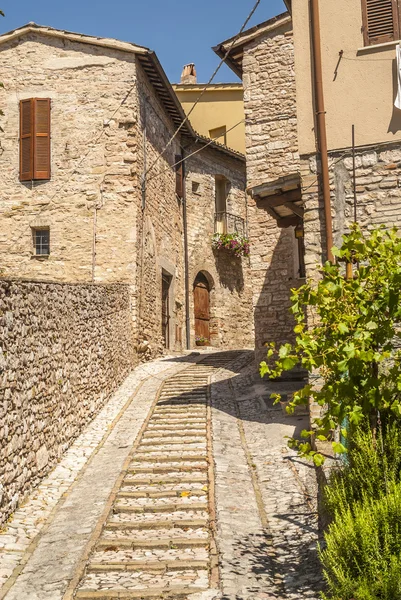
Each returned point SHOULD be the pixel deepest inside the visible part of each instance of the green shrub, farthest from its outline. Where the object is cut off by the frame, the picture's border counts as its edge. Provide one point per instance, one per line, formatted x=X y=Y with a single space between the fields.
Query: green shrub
x=369 y=469
x=362 y=557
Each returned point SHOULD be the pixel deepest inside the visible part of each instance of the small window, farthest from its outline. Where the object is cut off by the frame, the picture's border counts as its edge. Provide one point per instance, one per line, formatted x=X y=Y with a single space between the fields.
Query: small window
x=299 y=236
x=219 y=134
x=179 y=176
x=196 y=188
x=381 y=21
x=41 y=242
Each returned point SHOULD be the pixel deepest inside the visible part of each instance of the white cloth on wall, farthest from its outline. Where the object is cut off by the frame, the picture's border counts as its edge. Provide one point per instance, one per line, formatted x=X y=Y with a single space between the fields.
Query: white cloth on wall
x=397 y=102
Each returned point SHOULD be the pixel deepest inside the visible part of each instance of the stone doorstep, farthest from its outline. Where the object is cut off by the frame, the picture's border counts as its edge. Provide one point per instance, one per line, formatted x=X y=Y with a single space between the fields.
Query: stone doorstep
x=158 y=524
x=134 y=543
x=176 y=592
x=166 y=494
x=160 y=508
x=159 y=566
x=167 y=480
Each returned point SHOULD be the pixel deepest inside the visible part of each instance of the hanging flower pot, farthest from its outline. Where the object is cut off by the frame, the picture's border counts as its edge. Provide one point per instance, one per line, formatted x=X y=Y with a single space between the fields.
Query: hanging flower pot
x=237 y=244
x=201 y=341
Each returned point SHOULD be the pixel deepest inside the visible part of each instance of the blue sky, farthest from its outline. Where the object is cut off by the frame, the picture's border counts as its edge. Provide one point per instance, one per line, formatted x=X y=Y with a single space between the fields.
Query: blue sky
x=180 y=31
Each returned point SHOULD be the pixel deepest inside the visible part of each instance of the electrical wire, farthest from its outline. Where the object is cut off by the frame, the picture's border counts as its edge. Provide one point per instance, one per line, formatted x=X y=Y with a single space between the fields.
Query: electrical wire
x=223 y=60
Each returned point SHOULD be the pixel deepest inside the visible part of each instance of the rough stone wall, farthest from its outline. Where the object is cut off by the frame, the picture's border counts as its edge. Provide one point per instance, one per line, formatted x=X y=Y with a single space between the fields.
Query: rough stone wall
x=270 y=107
x=272 y=152
x=159 y=227
x=92 y=194
x=231 y=288
x=63 y=350
x=378 y=187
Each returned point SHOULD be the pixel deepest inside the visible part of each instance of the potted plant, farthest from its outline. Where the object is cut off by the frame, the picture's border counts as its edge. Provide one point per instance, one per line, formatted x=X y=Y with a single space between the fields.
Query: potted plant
x=201 y=341
x=232 y=242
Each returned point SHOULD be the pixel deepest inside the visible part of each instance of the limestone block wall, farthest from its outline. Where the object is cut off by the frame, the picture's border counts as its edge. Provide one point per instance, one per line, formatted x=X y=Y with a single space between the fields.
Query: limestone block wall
x=63 y=350
x=90 y=203
x=378 y=187
x=270 y=107
x=159 y=226
x=271 y=152
x=231 y=286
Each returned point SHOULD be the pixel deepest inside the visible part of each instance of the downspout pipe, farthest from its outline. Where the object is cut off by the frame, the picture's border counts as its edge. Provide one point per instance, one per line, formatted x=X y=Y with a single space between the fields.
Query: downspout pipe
x=186 y=255
x=321 y=123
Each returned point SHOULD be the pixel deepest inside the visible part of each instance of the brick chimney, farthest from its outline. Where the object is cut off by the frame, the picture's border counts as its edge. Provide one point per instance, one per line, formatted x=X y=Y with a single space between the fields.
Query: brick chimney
x=188 y=74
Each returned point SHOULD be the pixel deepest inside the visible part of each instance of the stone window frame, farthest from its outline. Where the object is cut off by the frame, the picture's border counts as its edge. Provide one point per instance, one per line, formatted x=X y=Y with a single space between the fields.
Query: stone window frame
x=34 y=231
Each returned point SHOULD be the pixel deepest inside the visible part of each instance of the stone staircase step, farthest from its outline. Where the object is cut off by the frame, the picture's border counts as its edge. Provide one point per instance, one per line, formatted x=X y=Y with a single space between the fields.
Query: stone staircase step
x=159 y=508
x=168 y=468
x=154 y=442
x=157 y=524
x=162 y=494
x=198 y=478
x=161 y=593
x=170 y=457
x=160 y=566
x=169 y=542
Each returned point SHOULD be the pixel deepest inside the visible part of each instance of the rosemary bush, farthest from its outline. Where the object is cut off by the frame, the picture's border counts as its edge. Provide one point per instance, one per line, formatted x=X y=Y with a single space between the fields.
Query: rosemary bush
x=362 y=555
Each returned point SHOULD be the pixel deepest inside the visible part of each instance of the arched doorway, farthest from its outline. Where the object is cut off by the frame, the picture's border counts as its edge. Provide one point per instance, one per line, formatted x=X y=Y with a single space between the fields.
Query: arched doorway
x=202 y=306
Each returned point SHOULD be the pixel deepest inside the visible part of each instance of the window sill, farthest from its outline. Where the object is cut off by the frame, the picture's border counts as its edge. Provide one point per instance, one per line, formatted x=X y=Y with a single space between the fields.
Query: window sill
x=40 y=256
x=374 y=47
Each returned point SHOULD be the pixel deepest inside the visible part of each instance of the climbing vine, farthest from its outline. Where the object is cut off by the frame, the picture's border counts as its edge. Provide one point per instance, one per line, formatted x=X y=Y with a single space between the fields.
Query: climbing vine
x=348 y=335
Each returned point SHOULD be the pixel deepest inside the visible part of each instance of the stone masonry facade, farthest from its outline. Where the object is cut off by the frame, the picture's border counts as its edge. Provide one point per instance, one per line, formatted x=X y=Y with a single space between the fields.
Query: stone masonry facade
x=64 y=350
x=272 y=152
x=109 y=125
x=378 y=191
x=229 y=276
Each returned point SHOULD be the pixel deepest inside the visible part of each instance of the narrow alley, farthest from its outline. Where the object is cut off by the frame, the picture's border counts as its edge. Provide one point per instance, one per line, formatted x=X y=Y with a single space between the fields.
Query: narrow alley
x=182 y=487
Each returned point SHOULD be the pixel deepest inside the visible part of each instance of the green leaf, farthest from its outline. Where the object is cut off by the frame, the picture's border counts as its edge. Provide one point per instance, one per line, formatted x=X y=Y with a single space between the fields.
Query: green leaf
x=343 y=328
x=339 y=448
x=318 y=459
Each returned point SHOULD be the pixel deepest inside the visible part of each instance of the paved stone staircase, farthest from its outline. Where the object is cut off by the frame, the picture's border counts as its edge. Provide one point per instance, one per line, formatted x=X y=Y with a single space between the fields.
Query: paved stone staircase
x=158 y=539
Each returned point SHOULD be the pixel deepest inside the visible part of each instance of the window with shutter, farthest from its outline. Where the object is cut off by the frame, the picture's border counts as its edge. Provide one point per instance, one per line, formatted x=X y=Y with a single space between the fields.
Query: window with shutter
x=179 y=176
x=381 y=22
x=26 y=140
x=35 y=139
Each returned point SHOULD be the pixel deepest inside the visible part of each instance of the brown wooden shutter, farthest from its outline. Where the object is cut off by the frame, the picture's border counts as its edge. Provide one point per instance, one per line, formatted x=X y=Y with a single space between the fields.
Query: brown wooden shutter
x=26 y=140
x=380 y=21
x=179 y=176
x=41 y=144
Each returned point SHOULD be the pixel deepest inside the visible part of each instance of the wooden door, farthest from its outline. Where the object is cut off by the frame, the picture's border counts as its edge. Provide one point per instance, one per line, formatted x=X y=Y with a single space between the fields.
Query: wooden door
x=202 y=307
x=166 y=280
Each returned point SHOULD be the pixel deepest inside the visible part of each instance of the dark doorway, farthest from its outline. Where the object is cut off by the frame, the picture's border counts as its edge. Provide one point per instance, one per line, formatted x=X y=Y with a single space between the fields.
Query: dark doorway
x=166 y=282
x=202 y=306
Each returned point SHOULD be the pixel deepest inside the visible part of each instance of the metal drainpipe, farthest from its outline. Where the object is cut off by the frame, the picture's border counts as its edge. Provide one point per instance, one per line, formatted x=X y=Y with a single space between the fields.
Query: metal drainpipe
x=321 y=122
x=186 y=257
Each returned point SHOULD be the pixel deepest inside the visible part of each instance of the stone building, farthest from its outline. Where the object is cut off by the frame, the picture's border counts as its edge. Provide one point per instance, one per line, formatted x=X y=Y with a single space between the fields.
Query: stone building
x=105 y=237
x=220 y=112
x=264 y=58
x=288 y=221
x=90 y=215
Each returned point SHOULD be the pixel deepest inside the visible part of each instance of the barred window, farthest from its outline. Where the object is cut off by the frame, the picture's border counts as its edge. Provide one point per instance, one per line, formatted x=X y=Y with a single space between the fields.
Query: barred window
x=41 y=241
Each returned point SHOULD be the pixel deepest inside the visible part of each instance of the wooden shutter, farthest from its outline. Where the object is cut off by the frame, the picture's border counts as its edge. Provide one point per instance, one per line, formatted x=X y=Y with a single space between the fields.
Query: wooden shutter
x=380 y=21
x=41 y=143
x=179 y=177
x=26 y=140
x=34 y=139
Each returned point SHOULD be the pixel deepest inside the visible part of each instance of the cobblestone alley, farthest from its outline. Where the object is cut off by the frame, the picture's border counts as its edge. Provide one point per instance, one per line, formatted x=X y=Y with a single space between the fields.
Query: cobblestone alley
x=182 y=487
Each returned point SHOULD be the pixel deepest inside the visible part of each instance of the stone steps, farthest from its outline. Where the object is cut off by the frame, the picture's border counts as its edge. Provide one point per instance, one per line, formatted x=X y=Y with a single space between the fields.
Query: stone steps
x=155 y=542
x=161 y=593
